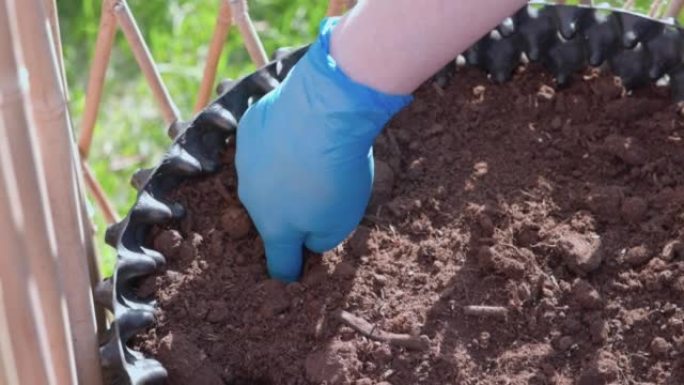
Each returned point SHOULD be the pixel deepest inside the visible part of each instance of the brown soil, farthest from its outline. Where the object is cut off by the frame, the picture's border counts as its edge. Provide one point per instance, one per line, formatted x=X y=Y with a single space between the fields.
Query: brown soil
x=562 y=210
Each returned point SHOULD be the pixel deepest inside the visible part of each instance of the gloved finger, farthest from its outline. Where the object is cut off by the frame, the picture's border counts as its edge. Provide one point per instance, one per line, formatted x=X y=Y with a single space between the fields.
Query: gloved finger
x=322 y=242
x=284 y=259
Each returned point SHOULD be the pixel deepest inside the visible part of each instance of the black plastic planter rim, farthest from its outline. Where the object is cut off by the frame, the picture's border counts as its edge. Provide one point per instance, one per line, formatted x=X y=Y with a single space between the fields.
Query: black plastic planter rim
x=565 y=39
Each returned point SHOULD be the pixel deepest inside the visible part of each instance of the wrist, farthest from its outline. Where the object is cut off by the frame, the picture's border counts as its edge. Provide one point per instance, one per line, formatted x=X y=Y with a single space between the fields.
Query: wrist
x=346 y=93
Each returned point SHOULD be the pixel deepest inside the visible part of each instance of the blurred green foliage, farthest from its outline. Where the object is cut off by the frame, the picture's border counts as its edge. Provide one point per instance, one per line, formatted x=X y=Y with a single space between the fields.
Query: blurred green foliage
x=130 y=133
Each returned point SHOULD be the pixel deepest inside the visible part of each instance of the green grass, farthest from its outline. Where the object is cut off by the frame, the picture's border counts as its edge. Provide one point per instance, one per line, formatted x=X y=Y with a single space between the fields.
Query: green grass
x=130 y=133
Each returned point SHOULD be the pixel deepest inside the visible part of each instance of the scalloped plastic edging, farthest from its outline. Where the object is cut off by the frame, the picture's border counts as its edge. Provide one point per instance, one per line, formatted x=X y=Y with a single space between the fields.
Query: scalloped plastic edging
x=195 y=151
x=564 y=38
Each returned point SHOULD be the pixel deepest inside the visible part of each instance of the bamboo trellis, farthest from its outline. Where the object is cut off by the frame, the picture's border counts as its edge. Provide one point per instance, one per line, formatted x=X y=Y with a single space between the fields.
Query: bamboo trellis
x=116 y=13
x=49 y=334
x=48 y=324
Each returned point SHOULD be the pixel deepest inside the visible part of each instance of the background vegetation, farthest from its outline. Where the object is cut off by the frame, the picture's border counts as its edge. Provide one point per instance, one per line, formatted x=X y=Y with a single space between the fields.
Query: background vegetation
x=130 y=133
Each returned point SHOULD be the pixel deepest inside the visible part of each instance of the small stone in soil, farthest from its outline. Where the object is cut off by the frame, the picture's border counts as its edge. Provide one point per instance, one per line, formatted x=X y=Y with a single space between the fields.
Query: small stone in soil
x=605 y=201
x=187 y=363
x=168 y=242
x=585 y=295
x=187 y=251
x=490 y=258
x=416 y=168
x=564 y=343
x=581 y=252
x=660 y=347
x=196 y=239
x=637 y=255
x=599 y=330
x=673 y=250
x=236 y=222
x=602 y=370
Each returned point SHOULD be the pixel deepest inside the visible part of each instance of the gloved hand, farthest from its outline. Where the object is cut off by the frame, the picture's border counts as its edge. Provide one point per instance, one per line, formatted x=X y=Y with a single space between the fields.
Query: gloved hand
x=304 y=157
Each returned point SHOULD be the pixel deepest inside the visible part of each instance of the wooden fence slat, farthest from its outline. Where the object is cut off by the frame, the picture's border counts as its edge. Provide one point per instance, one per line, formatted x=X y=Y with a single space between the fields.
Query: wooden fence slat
x=51 y=116
x=53 y=19
x=674 y=8
x=35 y=305
x=8 y=365
x=21 y=350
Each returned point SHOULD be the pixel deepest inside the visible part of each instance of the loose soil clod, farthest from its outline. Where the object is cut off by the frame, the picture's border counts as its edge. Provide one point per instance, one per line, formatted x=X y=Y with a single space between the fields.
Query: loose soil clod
x=562 y=209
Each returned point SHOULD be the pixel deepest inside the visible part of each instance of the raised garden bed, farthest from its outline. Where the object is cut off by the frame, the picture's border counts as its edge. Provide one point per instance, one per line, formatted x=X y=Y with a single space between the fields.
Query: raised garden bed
x=519 y=233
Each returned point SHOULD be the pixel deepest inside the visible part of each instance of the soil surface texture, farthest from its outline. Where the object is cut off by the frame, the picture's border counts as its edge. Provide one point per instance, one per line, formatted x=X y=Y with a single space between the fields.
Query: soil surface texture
x=519 y=234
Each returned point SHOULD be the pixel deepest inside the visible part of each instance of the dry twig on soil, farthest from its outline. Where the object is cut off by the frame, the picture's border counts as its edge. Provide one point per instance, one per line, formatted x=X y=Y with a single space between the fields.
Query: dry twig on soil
x=486 y=311
x=369 y=330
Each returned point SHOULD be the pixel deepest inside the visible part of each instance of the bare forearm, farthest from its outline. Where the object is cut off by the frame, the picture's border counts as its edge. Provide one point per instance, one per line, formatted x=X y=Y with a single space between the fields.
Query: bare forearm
x=395 y=45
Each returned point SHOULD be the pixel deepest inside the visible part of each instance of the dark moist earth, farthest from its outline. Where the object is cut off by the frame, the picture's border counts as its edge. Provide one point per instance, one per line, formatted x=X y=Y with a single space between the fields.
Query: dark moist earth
x=563 y=208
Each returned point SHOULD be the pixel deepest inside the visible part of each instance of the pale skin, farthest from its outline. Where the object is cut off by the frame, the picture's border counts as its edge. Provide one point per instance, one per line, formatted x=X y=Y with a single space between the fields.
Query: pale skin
x=395 y=45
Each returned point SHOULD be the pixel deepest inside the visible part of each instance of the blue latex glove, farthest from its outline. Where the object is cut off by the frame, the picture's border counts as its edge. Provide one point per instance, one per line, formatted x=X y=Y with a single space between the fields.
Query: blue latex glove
x=305 y=160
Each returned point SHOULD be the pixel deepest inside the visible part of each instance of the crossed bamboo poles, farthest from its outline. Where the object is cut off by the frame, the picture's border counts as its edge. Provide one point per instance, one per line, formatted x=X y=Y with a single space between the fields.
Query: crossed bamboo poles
x=117 y=14
x=47 y=265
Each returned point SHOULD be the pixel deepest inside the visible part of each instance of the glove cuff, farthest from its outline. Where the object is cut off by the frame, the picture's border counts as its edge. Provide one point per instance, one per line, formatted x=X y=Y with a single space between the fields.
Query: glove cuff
x=382 y=104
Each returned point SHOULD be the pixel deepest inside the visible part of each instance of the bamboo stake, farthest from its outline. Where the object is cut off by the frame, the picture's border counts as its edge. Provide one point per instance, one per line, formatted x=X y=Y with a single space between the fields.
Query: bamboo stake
x=336 y=7
x=30 y=272
x=98 y=69
x=51 y=11
x=8 y=366
x=629 y=4
x=145 y=61
x=655 y=7
x=249 y=35
x=98 y=193
x=89 y=244
x=25 y=358
x=674 y=8
x=223 y=21
x=53 y=124
x=94 y=267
